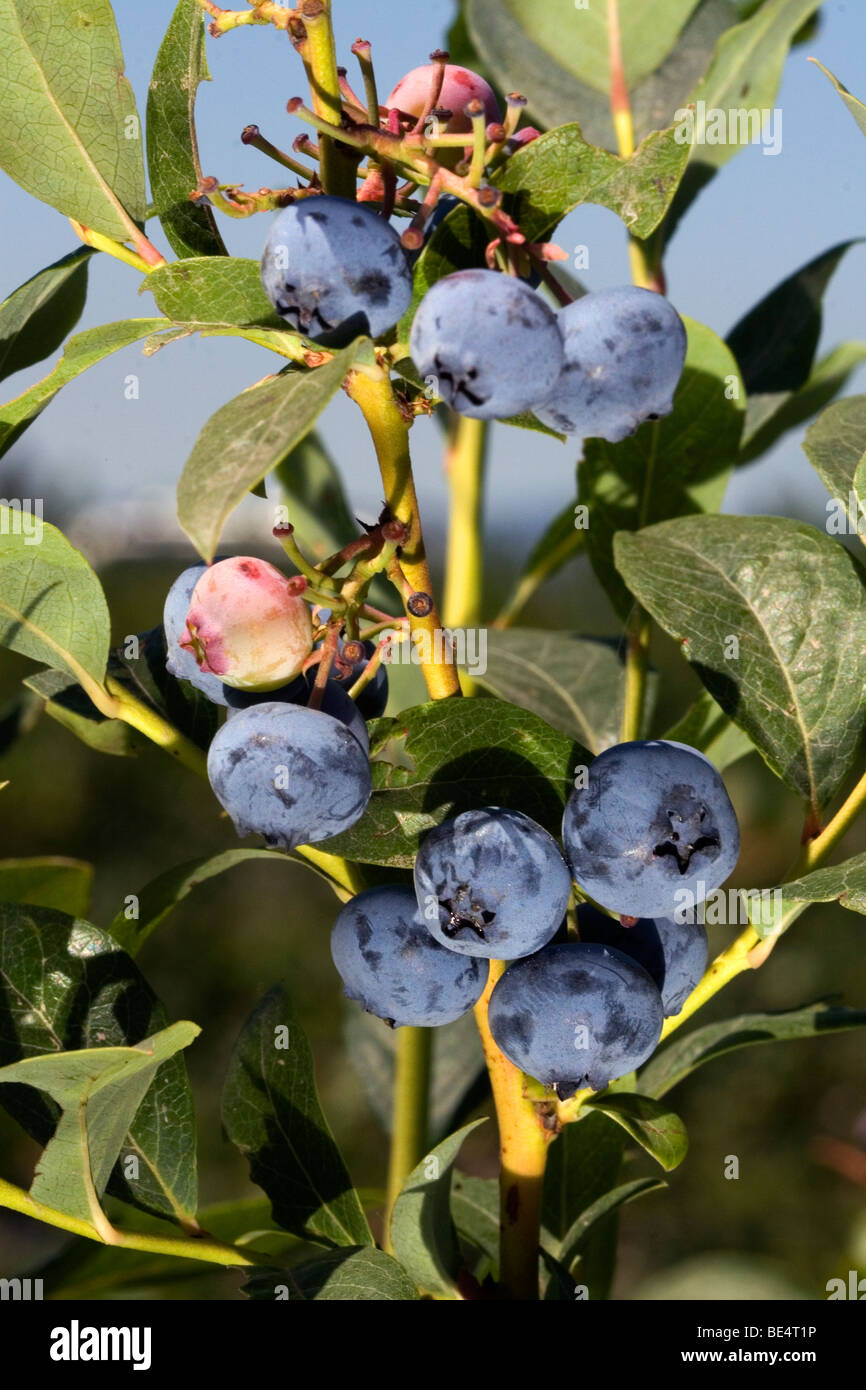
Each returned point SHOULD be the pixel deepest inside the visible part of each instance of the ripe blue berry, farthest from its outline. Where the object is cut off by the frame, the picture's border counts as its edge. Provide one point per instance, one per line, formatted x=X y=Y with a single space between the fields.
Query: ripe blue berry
x=488 y=342
x=654 y=823
x=491 y=883
x=335 y=702
x=576 y=1015
x=624 y=355
x=388 y=960
x=180 y=662
x=334 y=269
x=291 y=774
x=673 y=953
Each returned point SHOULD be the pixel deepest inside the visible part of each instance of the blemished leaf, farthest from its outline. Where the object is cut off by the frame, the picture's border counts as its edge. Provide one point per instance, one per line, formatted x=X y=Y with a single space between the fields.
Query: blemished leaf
x=66 y=702
x=827 y=379
x=36 y=317
x=705 y=726
x=99 y=1091
x=855 y=106
x=656 y=1128
x=65 y=985
x=350 y=1275
x=771 y=614
x=422 y=1232
x=582 y=1165
x=836 y=447
x=246 y=439
x=434 y=760
x=63 y=94
x=172 y=148
x=678 y=1059
x=554 y=174
x=52 y=607
x=843 y=883
x=574 y=683
x=81 y=352
x=47 y=881
x=561 y=542
x=213 y=290
x=475 y=1213
x=775 y=343
x=271 y=1112
x=580 y=1233
x=678 y=464
x=456 y=1068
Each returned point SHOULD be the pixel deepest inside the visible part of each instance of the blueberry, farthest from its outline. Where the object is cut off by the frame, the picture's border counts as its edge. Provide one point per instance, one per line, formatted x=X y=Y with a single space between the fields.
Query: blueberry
x=654 y=830
x=179 y=662
x=334 y=269
x=388 y=960
x=291 y=774
x=624 y=355
x=576 y=1015
x=335 y=702
x=374 y=697
x=491 y=883
x=490 y=344
x=673 y=953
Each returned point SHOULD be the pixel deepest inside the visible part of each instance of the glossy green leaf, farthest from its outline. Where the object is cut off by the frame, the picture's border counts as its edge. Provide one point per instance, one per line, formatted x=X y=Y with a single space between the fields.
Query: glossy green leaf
x=65 y=984
x=342 y=1276
x=66 y=702
x=475 y=1214
x=245 y=440
x=678 y=1059
x=844 y=883
x=583 y=1164
x=214 y=290
x=422 y=1232
x=855 y=106
x=437 y=759
x=36 y=317
x=271 y=1112
x=656 y=1128
x=705 y=726
x=836 y=447
x=574 y=683
x=47 y=881
x=63 y=94
x=172 y=148
x=794 y=601
x=99 y=1091
x=81 y=352
x=787 y=412
x=579 y=1234
x=679 y=464
x=52 y=607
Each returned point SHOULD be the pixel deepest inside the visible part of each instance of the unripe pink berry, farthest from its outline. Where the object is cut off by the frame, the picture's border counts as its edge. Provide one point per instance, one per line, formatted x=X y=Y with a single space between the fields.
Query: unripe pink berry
x=246 y=625
x=460 y=86
x=523 y=136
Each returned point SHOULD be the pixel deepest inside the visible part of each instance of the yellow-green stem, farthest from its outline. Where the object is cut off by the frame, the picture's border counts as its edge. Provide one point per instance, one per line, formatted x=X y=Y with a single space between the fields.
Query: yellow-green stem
x=464 y=570
x=644 y=273
x=336 y=165
x=636 y=661
x=410 y=1112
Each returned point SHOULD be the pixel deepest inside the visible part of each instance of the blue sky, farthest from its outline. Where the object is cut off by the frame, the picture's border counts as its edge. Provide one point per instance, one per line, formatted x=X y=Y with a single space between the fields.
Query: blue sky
x=758 y=220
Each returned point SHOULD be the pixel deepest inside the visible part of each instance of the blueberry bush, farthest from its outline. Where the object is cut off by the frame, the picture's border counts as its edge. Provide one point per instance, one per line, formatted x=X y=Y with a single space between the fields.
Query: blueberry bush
x=530 y=843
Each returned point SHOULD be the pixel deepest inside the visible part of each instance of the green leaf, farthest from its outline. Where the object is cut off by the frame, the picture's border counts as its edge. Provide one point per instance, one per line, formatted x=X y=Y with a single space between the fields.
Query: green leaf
x=36 y=317
x=554 y=174
x=794 y=600
x=66 y=702
x=583 y=1164
x=836 y=447
x=855 y=106
x=246 y=439
x=475 y=1213
x=81 y=352
x=99 y=1091
x=456 y=1069
x=843 y=883
x=52 y=607
x=574 y=683
x=342 y=1276
x=580 y=1233
x=65 y=985
x=684 y=1055
x=172 y=148
x=656 y=1128
x=705 y=726
x=561 y=542
x=47 y=881
x=446 y=756
x=272 y=1114
x=161 y=896
x=422 y=1232
x=214 y=290
x=679 y=464
x=308 y=484
x=69 y=133
x=825 y=382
